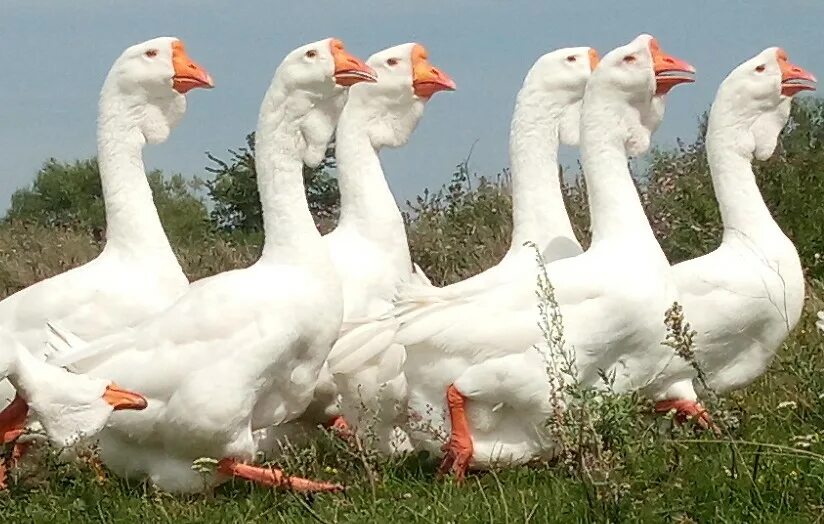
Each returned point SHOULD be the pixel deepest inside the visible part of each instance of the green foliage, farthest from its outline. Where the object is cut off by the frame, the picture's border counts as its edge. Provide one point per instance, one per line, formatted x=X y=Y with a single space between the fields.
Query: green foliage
x=461 y=229
x=465 y=227
x=233 y=190
x=69 y=195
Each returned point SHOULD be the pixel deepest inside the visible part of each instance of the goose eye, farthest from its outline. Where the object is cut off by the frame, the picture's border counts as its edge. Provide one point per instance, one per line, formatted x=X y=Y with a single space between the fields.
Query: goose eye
x=629 y=59
x=392 y=62
x=151 y=53
x=760 y=69
x=570 y=58
x=311 y=53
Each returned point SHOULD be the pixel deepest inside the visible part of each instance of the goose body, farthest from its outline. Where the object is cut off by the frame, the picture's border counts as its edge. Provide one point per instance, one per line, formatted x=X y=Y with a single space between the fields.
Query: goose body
x=745 y=297
x=242 y=350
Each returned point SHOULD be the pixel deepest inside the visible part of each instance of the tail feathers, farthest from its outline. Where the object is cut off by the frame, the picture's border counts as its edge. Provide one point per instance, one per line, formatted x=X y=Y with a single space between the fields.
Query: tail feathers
x=420 y=276
x=361 y=344
x=418 y=292
x=61 y=344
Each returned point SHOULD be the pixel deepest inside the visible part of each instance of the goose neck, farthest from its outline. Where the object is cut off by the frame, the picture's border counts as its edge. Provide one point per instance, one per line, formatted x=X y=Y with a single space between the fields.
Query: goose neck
x=615 y=206
x=288 y=225
x=742 y=207
x=132 y=221
x=538 y=211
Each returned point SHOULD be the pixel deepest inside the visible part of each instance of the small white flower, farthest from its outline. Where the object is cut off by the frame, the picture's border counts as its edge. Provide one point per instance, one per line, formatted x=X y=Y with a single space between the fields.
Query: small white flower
x=791 y=404
x=820 y=322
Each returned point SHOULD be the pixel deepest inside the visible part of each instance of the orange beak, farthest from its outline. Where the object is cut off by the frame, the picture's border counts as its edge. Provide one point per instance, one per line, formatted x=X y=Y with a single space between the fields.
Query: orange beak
x=593 y=59
x=349 y=69
x=669 y=71
x=13 y=420
x=121 y=399
x=188 y=74
x=793 y=78
x=426 y=78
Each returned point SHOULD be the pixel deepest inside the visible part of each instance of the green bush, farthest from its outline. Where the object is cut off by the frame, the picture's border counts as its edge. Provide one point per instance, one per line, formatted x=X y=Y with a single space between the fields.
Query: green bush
x=234 y=193
x=69 y=195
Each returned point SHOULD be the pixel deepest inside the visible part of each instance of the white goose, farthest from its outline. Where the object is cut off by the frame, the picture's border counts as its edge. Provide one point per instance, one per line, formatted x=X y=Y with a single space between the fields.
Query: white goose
x=242 y=350
x=369 y=247
x=68 y=407
x=137 y=274
x=547 y=113
x=482 y=351
x=746 y=296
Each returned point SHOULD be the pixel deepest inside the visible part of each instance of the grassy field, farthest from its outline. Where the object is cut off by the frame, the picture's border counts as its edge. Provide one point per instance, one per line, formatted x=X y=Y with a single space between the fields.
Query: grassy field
x=768 y=466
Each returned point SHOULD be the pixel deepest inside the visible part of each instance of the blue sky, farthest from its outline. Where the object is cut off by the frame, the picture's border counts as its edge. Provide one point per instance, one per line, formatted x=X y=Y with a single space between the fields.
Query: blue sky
x=54 y=55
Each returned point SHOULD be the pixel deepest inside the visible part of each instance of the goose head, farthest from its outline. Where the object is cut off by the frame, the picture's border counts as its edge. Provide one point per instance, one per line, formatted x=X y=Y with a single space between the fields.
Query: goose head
x=556 y=83
x=393 y=106
x=151 y=79
x=753 y=102
x=320 y=74
x=68 y=406
x=633 y=79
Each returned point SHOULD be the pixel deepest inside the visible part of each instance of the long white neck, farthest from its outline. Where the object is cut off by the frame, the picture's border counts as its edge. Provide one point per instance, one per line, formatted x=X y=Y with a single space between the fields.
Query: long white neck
x=743 y=210
x=538 y=211
x=367 y=202
x=614 y=203
x=290 y=232
x=132 y=222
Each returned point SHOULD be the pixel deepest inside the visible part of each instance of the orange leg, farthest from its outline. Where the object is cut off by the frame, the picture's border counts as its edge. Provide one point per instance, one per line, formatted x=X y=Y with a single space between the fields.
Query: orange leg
x=686 y=409
x=274 y=478
x=458 y=449
x=12 y=425
x=339 y=425
x=13 y=420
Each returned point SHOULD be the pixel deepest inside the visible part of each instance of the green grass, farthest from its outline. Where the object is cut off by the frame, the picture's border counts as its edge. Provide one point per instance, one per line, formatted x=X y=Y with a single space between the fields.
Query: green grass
x=756 y=472
x=676 y=483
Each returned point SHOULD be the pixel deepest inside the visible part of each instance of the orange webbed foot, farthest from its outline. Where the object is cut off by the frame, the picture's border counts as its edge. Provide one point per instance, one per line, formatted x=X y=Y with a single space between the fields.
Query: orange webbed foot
x=458 y=449
x=686 y=410
x=275 y=478
x=340 y=427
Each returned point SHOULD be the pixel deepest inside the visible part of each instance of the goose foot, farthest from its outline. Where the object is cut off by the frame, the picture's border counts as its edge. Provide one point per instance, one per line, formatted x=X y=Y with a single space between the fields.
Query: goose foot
x=13 y=420
x=688 y=409
x=12 y=426
x=341 y=428
x=458 y=449
x=274 y=478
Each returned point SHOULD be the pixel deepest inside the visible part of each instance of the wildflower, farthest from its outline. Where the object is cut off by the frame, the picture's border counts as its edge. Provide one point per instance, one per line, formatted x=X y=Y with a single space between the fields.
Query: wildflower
x=790 y=404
